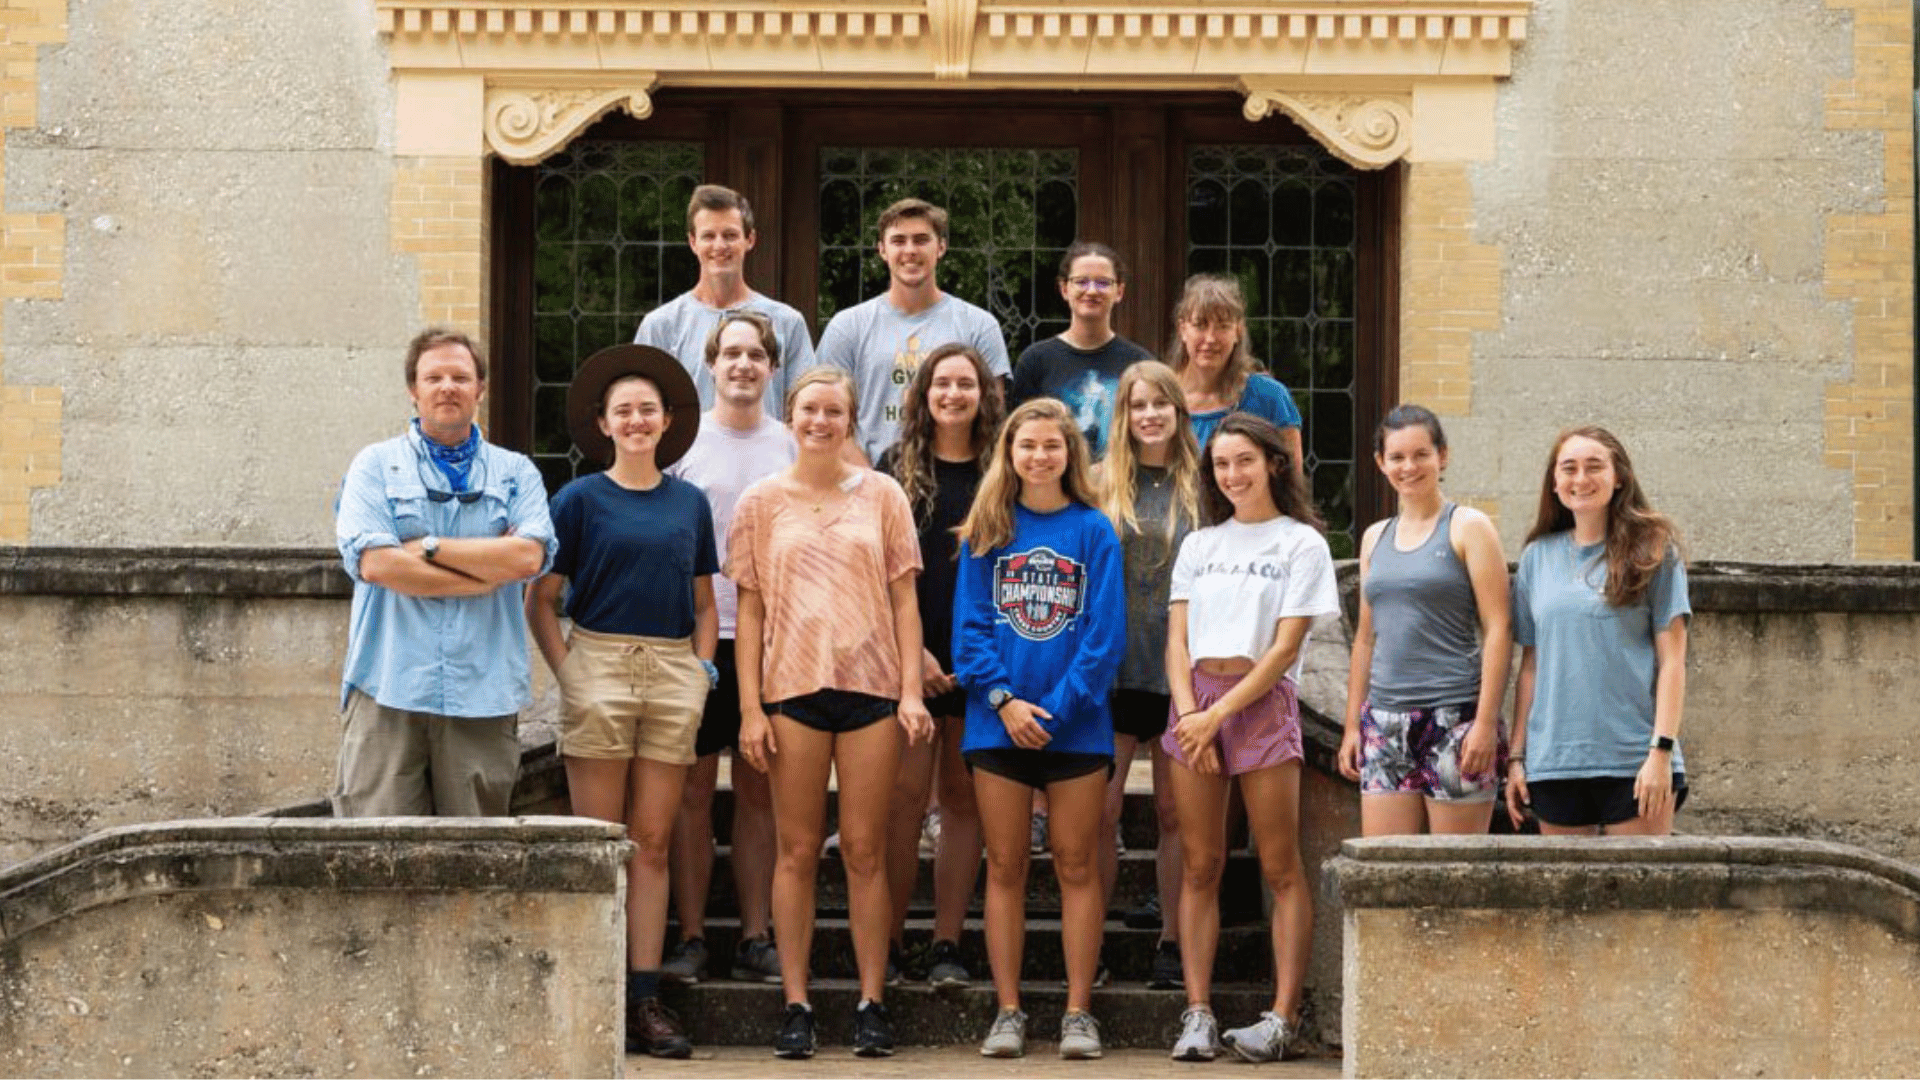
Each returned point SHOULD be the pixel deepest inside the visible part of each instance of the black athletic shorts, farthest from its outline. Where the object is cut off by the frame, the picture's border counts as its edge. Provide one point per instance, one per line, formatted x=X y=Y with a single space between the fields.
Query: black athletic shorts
x=1593 y=800
x=720 y=723
x=836 y=712
x=1140 y=713
x=1036 y=768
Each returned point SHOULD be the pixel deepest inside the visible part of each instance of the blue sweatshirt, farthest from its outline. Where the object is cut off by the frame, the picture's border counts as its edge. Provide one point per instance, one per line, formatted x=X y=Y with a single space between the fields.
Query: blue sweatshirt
x=1044 y=616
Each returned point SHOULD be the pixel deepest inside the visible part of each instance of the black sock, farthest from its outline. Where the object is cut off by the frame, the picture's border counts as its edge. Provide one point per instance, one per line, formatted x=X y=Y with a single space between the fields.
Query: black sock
x=643 y=984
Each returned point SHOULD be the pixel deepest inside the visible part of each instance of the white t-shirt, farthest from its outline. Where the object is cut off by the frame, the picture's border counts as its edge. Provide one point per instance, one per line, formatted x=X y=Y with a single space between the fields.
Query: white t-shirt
x=724 y=463
x=1240 y=580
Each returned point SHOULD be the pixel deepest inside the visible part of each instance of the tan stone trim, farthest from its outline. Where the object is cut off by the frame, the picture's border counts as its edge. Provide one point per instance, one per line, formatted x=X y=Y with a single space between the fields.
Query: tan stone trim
x=32 y=263
x=1366 y=131
x=1869 y=420
x=1450 y=288
x=525 y=124
x=438 y=218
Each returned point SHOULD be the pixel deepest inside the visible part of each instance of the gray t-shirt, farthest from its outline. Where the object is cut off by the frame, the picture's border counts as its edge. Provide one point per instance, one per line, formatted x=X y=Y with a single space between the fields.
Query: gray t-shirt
x=882 y=348
x=1149 y=570
x=1594 y=679
x=682 y=325
x=723 y=463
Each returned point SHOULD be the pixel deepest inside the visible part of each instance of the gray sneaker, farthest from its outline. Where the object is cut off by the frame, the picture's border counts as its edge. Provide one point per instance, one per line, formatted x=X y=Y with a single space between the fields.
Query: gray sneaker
x=1269 y=1040
x=1007 y=1038
x=757 y=960
x=1079 y=1036
x=686 y=963
x=1199 y=1036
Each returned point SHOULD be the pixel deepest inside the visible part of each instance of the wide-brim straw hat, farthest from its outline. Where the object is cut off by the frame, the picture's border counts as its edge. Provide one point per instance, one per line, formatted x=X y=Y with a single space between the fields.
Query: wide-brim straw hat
x=587 y=395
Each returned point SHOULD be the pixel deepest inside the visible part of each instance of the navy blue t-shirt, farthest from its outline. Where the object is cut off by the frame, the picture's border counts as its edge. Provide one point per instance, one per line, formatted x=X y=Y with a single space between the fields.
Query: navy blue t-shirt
x=630 y=557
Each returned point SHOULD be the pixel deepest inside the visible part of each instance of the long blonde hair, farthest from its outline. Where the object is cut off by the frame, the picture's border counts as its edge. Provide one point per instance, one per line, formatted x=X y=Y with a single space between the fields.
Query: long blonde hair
x=1215 y=298
x=1120 y=476
x=989 y=523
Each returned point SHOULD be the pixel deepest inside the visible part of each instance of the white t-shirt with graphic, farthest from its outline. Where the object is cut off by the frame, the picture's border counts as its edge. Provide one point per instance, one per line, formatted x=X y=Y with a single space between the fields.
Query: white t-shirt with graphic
x=1240 y=580
x=882 y=348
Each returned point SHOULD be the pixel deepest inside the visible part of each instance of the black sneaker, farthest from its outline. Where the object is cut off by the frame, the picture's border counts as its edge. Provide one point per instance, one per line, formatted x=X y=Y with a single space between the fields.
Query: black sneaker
x=653 y=1029
x=944 y=970
x=796 y=1033
x=1167 y=974
x=872 y=1035
x=1146 y=916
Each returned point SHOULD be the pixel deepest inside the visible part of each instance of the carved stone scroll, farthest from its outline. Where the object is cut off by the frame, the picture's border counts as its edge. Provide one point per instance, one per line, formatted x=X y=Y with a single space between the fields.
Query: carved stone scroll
x=1367 y=131
x=524 y=125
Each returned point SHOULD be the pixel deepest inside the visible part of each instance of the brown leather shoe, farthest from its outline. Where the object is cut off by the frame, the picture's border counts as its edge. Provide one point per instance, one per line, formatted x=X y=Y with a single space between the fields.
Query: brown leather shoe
x=653 y=1029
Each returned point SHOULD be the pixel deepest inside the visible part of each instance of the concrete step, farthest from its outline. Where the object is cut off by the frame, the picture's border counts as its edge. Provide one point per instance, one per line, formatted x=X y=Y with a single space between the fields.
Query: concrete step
x=1240 y=887
x=736 y=1014
x=1244 y=955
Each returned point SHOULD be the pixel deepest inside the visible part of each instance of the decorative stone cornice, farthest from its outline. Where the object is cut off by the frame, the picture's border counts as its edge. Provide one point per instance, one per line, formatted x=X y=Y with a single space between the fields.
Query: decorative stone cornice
x=531 y=73
x=524 y=125
x=1119 y=43
x=1367 y=131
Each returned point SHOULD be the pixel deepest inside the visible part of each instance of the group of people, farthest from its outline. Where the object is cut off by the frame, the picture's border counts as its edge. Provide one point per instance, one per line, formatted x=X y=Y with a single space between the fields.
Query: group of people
x=859 y=562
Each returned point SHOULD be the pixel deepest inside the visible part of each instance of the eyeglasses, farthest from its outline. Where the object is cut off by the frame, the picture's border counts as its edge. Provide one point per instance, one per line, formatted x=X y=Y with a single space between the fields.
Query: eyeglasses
x=440 y=495
x=1093 y=284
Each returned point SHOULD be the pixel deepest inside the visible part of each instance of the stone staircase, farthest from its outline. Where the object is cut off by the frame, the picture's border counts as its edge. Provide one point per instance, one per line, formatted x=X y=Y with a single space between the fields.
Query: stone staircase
x=720 y=1012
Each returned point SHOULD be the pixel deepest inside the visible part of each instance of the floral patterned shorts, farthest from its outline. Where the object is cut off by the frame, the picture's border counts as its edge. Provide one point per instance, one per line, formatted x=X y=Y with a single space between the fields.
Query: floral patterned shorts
x=1418 y=751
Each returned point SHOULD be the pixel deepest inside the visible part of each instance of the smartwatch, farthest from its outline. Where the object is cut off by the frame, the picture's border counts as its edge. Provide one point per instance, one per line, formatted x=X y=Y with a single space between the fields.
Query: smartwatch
x=998 y=697
x=429 y=547
x=1661 y=742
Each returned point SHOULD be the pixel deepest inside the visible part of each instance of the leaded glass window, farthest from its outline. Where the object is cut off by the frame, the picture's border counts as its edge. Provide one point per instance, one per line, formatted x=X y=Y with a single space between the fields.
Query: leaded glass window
x=1011 y=216
x=1281 y=220
x=610 y=245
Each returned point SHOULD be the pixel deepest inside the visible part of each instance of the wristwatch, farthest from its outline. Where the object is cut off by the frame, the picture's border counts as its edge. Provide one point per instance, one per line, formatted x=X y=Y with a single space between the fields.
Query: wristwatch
x=1661 y=742
x=429 y=547
x=998 y=697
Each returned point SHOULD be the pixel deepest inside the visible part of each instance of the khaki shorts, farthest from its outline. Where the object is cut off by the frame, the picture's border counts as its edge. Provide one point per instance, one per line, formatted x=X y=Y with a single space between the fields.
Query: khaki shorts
x=623 y=696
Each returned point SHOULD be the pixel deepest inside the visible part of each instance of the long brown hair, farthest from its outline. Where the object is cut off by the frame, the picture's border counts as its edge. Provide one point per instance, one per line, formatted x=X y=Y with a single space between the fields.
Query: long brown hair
x=989 y=523
x=1215 y=298
x=1289 y=490
x=1638 y=536
x=1119 y=479
x=912 y=461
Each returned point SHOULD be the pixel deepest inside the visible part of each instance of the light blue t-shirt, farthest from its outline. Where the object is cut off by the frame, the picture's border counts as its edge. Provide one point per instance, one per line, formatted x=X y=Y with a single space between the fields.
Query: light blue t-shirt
x=882 y=348
x=682 y=325
x=1264 y=397
x=1594 y=680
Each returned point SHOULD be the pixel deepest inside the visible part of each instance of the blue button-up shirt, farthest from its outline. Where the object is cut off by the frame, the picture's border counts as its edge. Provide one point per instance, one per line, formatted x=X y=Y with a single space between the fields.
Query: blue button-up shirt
x=451 y=656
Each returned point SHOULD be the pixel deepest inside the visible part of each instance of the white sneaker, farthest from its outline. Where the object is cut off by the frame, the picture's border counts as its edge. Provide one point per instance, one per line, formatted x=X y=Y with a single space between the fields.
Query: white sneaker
x=1268 y=1040
x=1008 y=1036
x=1199 y=1036
x=1079 y=1036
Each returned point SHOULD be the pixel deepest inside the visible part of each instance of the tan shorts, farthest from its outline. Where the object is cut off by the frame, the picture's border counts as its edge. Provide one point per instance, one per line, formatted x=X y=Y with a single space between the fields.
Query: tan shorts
x=623 y=696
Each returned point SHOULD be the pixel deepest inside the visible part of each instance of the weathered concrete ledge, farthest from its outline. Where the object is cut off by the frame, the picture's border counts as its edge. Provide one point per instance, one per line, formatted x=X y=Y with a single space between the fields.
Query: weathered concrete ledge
x=229 y=572
x=299 y=946
x=1680 y=956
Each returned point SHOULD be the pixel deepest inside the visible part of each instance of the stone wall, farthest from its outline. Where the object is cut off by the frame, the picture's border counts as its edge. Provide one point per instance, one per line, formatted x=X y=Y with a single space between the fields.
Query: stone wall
x=1703 y=216
x=150 y=686
x=228 y=311
x=249 y=947
x=1677 y=957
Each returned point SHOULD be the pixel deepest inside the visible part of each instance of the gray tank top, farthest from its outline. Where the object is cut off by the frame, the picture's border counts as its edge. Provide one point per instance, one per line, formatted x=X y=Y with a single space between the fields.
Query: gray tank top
x=1426 y=639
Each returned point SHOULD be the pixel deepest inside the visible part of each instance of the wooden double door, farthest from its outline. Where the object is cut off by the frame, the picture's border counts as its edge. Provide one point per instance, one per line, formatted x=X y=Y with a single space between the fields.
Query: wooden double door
x=590 y=240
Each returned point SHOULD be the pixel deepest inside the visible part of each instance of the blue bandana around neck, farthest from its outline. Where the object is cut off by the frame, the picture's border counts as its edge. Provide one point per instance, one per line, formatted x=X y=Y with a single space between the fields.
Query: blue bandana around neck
x=454 y=462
